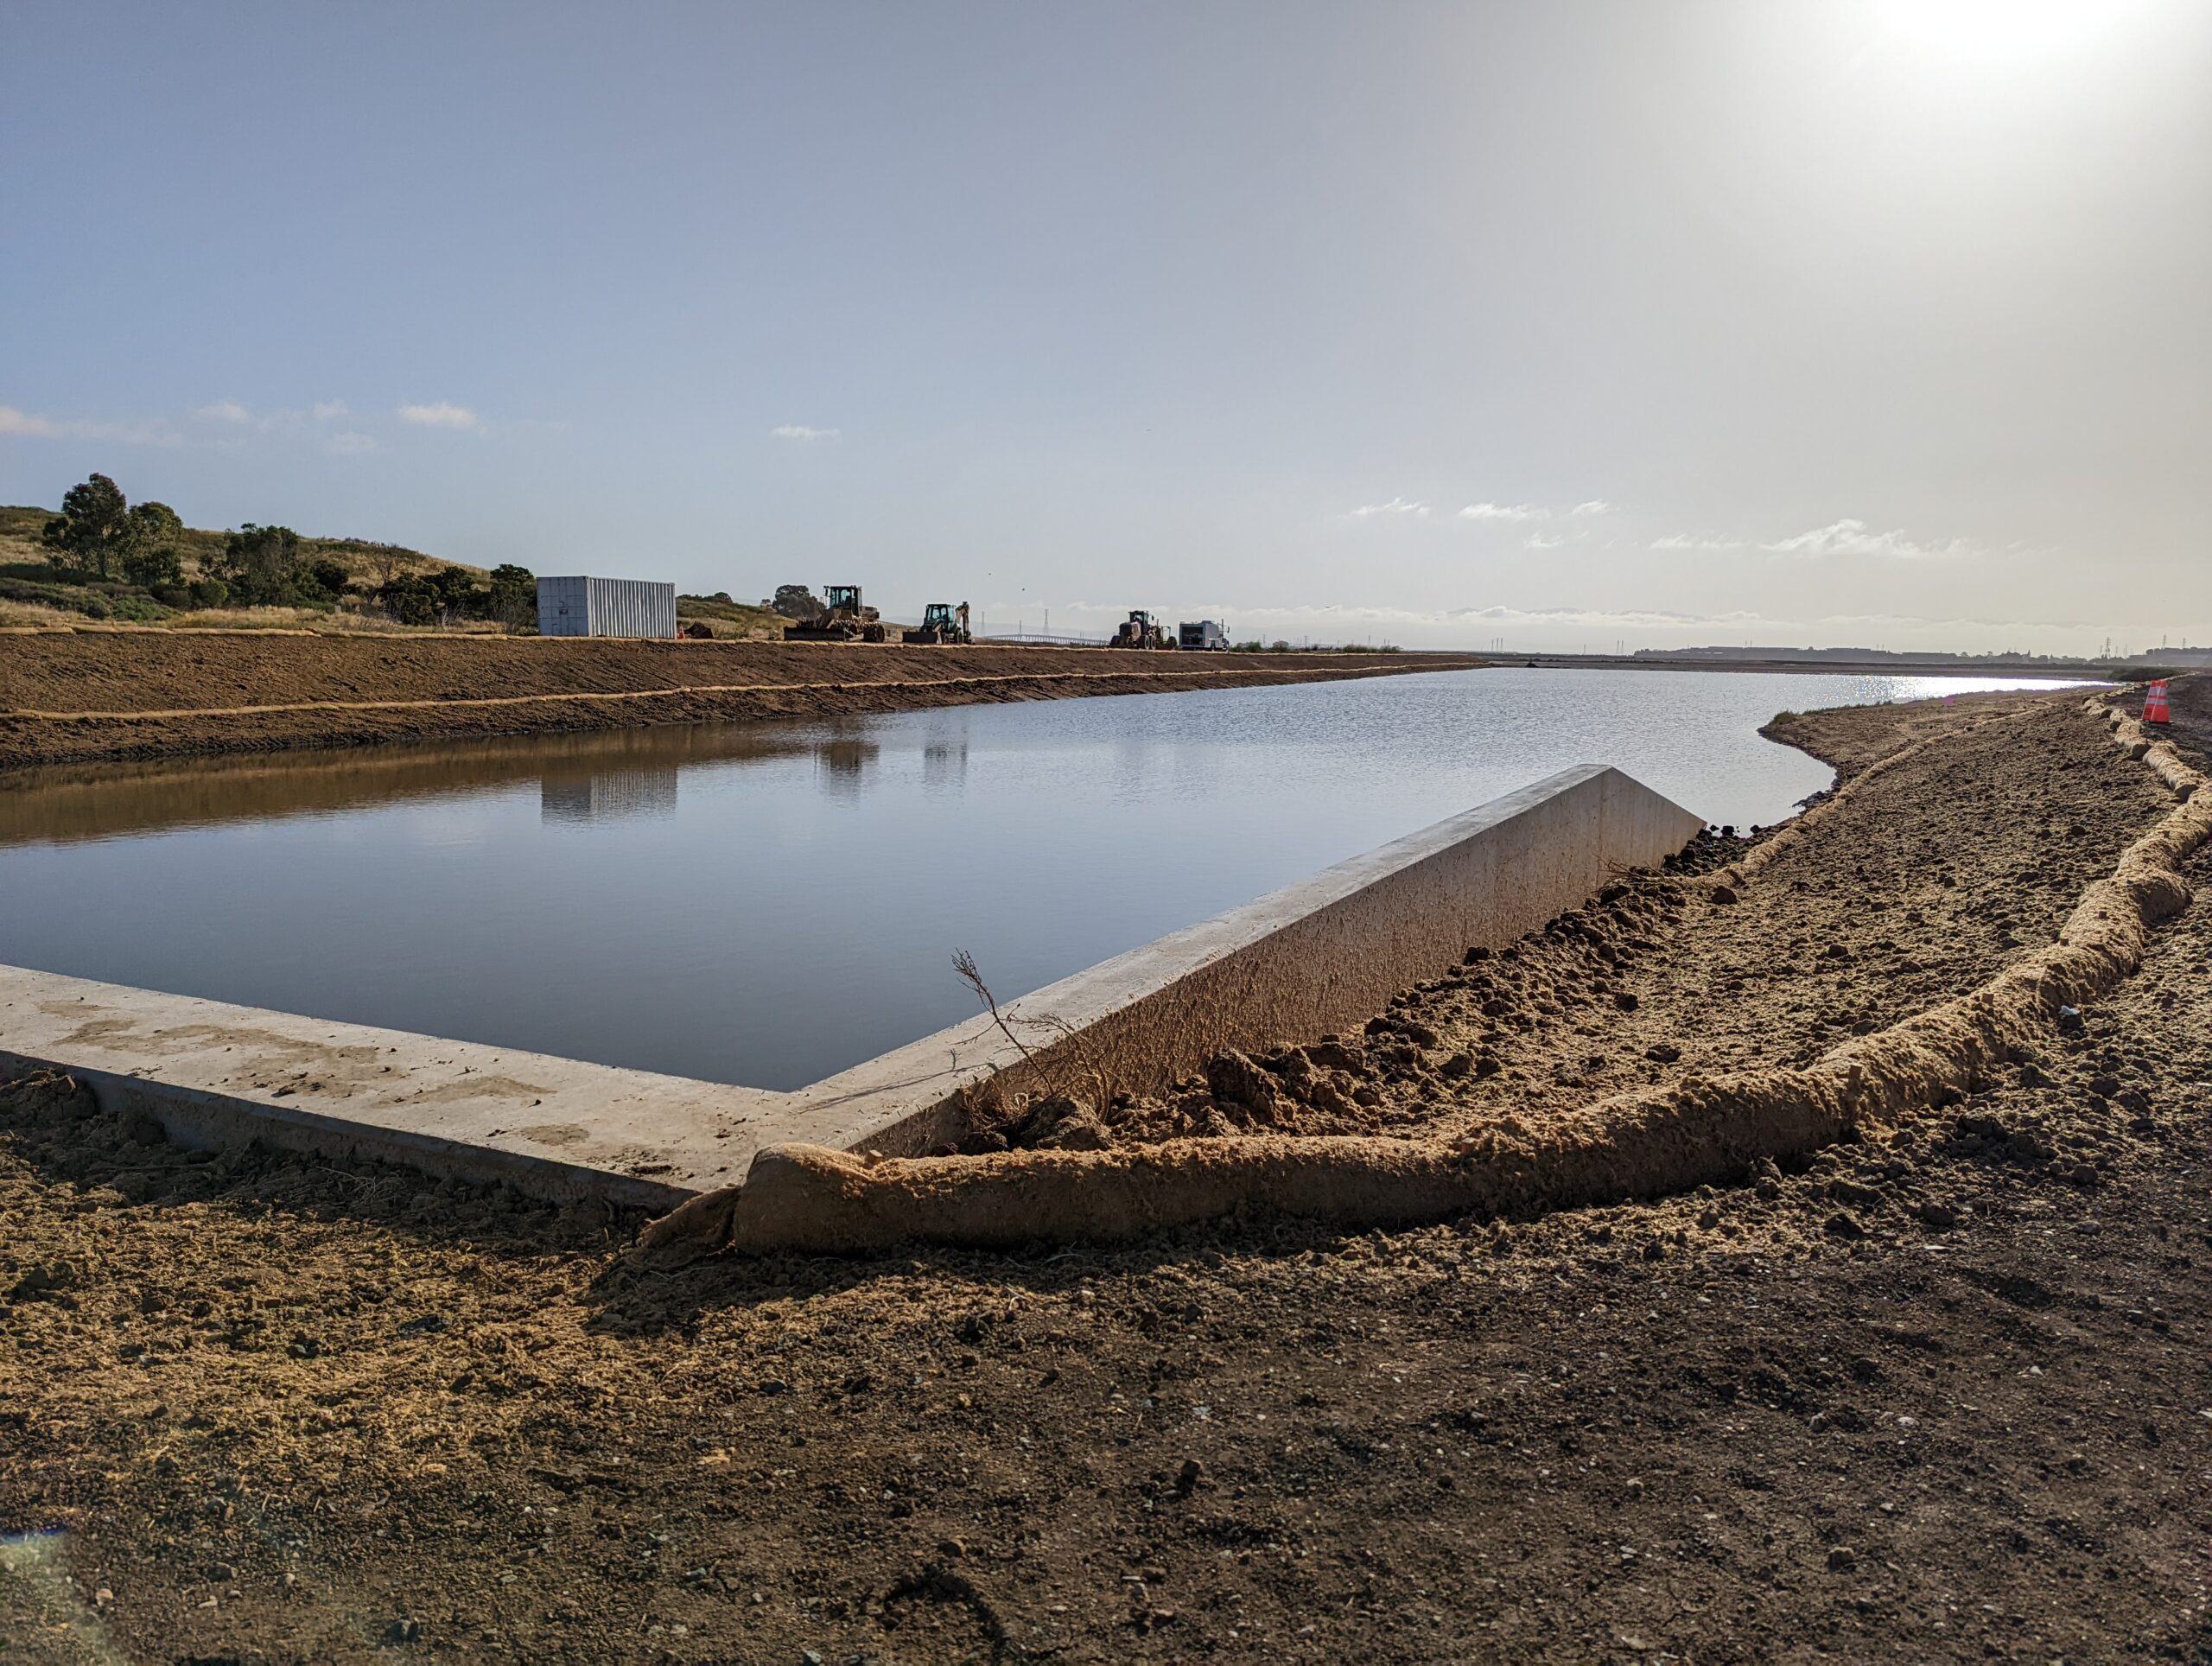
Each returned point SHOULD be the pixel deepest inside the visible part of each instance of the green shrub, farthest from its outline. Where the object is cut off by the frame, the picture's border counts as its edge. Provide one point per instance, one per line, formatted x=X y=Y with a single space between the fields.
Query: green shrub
x=209 y=593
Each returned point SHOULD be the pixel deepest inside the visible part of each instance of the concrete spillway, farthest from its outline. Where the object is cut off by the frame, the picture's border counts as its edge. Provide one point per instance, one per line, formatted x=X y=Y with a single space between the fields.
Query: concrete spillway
x=1318 y=955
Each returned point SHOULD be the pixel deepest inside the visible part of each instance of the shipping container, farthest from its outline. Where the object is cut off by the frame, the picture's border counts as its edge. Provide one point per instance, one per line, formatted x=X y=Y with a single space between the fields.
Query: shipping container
x=605 y=607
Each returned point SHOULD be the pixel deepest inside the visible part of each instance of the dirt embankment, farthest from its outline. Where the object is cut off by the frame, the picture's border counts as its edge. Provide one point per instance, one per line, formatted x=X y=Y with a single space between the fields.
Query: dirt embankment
x=1936 y=1393
x=79 y=698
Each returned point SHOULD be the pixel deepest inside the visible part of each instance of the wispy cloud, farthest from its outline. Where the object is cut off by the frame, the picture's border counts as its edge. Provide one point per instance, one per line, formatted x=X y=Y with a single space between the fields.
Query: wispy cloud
x=1855 y=538
x=225 y=411
x=1502 y=511
x=330 y=411
x=1679 y=541
x=801 y=432
x=349 y=443
x=1594 y=506
x=440 y=415
x=28 y=425
x=1544 y=541
x=1395 y=506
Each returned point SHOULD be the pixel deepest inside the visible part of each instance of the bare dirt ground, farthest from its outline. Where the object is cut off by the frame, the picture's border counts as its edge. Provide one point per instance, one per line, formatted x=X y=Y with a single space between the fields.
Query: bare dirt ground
x=1943 y=1397
x=76 y=698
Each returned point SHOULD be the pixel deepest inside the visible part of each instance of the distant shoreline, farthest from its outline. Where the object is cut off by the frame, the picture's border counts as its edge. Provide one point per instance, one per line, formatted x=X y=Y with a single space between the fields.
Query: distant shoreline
x=82 y=698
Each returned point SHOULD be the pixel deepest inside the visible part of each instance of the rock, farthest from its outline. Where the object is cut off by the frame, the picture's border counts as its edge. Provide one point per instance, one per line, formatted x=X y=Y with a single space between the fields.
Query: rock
x=401 y=1632
x=2069 y=1019
x=1187 y=1478
x=1477 y=955
x=1939 y=1216
x=1842 y=1558
x=1664 y=1052
x=1722 y=894
x=1459 y=1065
x=304 y=1346
x=1487 y=1064
x=1843 y=1224
x=1419 y=1033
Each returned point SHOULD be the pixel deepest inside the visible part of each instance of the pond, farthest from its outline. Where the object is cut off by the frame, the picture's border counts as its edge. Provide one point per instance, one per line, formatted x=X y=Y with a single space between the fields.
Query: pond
x=766 y=904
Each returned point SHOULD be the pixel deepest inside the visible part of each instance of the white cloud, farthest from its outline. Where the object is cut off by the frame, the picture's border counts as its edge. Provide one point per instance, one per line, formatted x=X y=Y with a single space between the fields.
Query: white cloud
x=349 y=443
x=440 y=415
x=1854 y=538
x=330 y=410
x=225 y=411
x=1502 y=511
x=802 y=432
x=21 y=425
x=1395 y=506
x=1545 y=541
x=28 y=425
x=1594 y=506
x=1677 y=541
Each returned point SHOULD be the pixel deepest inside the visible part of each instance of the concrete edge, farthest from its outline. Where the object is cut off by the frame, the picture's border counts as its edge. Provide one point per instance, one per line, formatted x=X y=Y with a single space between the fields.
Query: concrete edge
x=1316 y=955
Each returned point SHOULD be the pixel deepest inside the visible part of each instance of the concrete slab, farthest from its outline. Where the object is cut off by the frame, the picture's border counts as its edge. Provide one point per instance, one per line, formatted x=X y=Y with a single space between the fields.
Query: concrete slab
x=1317 y=956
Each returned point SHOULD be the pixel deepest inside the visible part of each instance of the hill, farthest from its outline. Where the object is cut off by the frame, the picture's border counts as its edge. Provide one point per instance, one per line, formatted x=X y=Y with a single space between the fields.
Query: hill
x=34 y=594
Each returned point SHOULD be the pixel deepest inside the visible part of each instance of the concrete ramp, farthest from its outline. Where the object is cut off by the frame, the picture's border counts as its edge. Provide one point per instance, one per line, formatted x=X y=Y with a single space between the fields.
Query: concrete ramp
x=1319 y=956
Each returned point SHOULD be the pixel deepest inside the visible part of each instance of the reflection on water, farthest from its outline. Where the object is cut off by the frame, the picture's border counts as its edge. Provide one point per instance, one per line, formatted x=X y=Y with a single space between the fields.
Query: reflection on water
x=769 y=903
x=613 y=795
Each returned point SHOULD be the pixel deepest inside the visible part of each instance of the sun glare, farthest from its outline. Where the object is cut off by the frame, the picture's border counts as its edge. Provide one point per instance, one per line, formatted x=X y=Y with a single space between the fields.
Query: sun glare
x=1998 y=30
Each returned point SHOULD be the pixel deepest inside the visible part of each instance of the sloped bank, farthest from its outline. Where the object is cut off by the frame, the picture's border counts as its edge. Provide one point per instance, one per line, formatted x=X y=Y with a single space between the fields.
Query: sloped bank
x=1636 y=1145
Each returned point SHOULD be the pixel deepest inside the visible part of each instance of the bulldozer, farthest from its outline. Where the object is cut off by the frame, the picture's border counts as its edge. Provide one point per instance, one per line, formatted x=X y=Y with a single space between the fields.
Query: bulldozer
x=1140 y=630
x=843 y=619
x=941 y=622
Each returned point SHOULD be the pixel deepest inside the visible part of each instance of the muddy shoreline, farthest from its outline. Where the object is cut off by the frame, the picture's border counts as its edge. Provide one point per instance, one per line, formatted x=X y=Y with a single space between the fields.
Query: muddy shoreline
x=1935 y=1392
x=98 y=697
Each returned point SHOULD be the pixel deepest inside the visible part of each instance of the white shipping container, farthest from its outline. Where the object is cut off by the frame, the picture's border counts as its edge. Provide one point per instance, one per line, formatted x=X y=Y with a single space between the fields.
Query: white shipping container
x=605 y=607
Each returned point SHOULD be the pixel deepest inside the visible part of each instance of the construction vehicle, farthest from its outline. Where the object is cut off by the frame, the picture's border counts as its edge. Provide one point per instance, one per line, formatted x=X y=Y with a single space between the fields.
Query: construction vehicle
x=1140 y=630
x=941 y=622
x=842 y=619
x=1205 y=634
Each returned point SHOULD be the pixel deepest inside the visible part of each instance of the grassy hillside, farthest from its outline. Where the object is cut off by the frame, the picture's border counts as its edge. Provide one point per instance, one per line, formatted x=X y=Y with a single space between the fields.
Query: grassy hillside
x=32 y=594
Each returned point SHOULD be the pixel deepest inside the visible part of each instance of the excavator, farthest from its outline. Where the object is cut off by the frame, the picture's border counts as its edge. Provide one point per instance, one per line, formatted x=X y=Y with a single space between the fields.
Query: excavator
x=1140 y=630
x=941 y=622
x=843 y=620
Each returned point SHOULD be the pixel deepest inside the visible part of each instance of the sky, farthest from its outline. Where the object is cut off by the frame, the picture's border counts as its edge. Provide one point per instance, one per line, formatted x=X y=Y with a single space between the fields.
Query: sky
x=1586 y=323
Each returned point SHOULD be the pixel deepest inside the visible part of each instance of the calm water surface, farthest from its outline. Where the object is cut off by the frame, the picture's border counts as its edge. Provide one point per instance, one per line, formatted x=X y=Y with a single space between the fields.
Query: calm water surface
x=766 y=904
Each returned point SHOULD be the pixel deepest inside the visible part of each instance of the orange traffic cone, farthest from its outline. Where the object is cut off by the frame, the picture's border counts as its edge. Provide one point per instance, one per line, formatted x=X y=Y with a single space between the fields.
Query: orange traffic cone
x=2154 y=704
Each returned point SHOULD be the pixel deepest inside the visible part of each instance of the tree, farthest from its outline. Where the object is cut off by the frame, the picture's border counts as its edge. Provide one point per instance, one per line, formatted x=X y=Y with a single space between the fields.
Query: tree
x=410 y=599
x=151 y=532
x=330 y=576
x=457 y=592
x=512 y=600
x=83 y=537
x=263 y=567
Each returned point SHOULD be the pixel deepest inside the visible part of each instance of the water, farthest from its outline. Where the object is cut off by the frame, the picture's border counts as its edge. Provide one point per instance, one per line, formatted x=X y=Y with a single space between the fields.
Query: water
x=769 y=903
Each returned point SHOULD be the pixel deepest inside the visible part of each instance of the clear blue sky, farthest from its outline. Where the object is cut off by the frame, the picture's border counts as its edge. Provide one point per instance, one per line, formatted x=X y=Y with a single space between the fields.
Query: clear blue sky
x=1852 y=322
